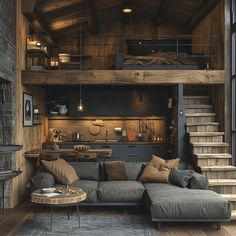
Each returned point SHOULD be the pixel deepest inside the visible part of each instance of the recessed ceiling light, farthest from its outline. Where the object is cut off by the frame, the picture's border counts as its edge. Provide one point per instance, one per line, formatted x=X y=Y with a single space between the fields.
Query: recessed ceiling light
x=127 y=10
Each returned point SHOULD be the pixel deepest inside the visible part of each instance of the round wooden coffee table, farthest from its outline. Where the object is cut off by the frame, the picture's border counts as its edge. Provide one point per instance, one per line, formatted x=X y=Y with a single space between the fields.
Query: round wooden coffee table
x=60 y=198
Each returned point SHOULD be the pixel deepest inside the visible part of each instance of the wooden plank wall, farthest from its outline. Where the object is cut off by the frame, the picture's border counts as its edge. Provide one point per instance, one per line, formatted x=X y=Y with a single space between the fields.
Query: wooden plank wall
x=30 y=137
x=212 y=24
x=97 y=46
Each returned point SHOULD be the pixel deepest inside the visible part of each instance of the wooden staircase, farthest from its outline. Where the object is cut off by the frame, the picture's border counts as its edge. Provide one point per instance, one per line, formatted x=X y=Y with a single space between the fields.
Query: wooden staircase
x=209 y=147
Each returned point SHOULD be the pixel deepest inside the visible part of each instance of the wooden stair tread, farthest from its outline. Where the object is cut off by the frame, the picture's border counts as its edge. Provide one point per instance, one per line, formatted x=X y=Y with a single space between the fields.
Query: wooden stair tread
x=202 y=123
x=195 y=106
x=200 y=134
x=213 y=155
x=222 y=182
x=197 y=97
x=229 y=197
x=233 y=215
x=215 y=144
x=218 y=168
x=200 y=114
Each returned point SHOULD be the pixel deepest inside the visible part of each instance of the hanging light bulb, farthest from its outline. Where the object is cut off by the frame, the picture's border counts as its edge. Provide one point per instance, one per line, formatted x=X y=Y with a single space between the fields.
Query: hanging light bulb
x=80 y=107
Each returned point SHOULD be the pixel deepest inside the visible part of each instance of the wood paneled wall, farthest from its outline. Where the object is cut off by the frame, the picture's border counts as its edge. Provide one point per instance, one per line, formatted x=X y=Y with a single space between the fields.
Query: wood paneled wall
x=212 y=24
x=103 y=49
x=30 y=137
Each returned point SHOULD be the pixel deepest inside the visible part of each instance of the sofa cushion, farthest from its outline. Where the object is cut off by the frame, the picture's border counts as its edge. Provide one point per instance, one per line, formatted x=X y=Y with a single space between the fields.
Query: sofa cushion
x=180 y=178
x=88 y=186
x=63 y=171
x=172 y=202
x=120 y=191
x=87 y=170
x=115 y=170
x=198 y=181
x=133 y=169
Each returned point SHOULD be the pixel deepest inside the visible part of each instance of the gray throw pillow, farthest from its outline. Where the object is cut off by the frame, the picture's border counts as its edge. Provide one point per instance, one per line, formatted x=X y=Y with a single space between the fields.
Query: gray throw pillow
x=42 y=180
x=198 y=181
x=180 y=178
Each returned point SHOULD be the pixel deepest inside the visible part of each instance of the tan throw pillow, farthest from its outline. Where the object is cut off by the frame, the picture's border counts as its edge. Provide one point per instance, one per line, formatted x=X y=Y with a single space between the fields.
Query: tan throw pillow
x=63 y=171
x=156 y=161
x=151 y=174
x=116 y=170
x=170 y=164
x=158 y=170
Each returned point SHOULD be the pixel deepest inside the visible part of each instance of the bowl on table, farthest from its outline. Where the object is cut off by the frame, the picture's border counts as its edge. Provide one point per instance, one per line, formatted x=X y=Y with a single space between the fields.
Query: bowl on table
x=81 y=148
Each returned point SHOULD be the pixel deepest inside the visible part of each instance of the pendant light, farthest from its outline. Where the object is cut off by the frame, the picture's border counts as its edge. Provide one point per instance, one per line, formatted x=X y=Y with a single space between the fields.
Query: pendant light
x=80 y=107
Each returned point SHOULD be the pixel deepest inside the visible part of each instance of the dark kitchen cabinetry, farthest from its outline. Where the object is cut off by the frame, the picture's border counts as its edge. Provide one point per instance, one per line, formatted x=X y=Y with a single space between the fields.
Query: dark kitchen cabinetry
x=109 y=101
x=133 y=152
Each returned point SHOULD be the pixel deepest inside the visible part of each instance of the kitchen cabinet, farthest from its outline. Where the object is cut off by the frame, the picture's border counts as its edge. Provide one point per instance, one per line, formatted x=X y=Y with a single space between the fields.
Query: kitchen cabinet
x=134 y=152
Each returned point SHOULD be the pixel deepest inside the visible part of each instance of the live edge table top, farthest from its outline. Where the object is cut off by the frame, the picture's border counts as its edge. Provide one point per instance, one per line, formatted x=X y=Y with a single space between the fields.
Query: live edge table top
x=93 y=153
x=74 y=196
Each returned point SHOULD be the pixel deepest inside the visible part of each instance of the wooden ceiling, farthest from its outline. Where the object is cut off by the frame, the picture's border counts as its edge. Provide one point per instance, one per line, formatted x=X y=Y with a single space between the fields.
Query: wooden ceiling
x=60 y=18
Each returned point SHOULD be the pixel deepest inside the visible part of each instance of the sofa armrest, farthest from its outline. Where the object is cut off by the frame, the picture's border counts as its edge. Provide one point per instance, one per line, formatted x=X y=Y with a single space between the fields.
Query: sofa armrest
x=198 y=181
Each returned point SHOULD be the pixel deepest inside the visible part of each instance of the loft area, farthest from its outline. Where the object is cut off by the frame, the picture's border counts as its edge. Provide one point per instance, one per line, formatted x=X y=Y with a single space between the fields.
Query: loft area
x=97 y=35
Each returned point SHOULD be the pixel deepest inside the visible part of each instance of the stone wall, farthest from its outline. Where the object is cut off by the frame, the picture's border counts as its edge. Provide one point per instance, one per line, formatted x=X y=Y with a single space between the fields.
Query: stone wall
x=7 y=72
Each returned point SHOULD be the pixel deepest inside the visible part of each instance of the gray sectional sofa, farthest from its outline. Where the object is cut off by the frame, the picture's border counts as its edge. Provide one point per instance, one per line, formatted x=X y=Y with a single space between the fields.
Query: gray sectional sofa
x=165 y=202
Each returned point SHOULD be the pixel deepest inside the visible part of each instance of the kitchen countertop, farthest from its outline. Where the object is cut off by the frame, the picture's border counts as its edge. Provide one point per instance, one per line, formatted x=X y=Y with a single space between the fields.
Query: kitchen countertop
x=105 y=142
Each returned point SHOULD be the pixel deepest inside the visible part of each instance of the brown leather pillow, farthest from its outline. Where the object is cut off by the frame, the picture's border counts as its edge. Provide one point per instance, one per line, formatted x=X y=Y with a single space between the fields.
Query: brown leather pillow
x=63 y=171
x=115 y=170
x=152 y=175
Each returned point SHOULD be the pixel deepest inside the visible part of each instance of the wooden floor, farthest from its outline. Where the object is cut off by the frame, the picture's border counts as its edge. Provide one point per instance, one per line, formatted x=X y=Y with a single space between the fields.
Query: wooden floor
x=13 y=220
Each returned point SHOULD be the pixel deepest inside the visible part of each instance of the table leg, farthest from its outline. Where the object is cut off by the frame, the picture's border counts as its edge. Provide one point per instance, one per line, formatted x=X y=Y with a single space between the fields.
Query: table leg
x=78 y=212
x=68 y=213
x=51 y=210
x=35 y=211
x=3 y=196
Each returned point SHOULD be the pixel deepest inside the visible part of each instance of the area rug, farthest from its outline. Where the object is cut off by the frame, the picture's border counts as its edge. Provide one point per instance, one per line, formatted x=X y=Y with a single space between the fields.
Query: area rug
x=91 y=225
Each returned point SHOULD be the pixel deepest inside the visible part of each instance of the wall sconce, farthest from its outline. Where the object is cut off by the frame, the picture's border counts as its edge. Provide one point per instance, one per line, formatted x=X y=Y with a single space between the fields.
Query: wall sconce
x=80 y=107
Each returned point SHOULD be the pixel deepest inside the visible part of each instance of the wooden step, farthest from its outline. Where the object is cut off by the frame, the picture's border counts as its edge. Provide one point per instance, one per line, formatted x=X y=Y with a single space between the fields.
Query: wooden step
x=205 y=137
x=231 y=198
x=219 y=172
x=189 y=100
x=218 y=147
x=233 y=215
x=198 y=108
x=203 y=127
x=213 y=159
x=223 y=186
x=200 y=117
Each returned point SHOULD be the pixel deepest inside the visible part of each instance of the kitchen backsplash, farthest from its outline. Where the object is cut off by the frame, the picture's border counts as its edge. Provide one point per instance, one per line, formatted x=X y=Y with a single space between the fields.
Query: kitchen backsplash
x=97 y=129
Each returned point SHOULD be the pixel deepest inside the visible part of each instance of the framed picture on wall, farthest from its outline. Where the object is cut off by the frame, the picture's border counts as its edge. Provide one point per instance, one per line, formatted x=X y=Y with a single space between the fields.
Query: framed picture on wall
x=27 y=110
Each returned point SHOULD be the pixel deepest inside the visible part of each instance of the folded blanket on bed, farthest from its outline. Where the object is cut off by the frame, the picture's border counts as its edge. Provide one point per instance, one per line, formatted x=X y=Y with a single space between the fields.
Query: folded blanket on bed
x=159 y=58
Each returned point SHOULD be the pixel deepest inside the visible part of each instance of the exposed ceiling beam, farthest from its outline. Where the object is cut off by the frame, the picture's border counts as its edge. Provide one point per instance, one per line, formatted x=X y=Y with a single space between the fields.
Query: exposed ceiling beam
x=92 y=18
x=71 y=30
x=201 y=13
x=62 y=11
x=36 y=21
x=162 y=12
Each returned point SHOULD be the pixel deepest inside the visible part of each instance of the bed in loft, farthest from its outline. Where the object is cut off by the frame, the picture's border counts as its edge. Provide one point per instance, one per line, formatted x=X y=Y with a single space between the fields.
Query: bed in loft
x=158 y=55
x=158 y=61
